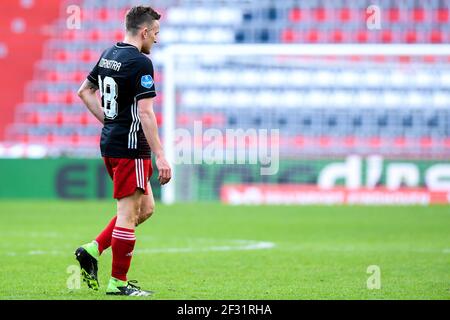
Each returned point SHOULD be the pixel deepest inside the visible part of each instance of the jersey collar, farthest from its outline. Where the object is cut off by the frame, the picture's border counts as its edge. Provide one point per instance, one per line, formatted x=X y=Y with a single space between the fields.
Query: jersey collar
x=122 y=45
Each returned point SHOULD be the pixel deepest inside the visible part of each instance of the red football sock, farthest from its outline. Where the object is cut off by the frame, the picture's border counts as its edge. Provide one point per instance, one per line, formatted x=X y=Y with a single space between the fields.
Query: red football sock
x=122 y=244
x=104 y=238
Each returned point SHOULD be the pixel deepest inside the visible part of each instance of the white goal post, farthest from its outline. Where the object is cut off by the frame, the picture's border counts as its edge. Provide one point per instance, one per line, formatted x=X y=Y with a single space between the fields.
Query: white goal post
x=172 y=53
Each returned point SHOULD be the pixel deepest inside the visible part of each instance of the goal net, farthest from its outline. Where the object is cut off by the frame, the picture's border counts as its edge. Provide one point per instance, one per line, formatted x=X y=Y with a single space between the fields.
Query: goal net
x=307 y=124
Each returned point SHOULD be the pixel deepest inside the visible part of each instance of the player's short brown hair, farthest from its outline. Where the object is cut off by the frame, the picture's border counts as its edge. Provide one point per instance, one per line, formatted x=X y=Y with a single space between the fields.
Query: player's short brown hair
x=139 y=15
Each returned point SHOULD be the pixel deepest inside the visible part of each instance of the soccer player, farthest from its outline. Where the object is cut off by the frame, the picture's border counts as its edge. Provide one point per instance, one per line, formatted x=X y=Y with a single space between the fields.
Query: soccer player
x=124 y=77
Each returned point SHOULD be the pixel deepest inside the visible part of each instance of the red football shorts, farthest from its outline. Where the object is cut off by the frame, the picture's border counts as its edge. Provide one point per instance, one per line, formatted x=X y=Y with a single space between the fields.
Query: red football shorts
x=128 y=175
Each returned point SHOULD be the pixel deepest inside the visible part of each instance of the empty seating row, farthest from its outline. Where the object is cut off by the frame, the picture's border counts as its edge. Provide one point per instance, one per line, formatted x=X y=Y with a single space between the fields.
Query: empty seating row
x=351 y=99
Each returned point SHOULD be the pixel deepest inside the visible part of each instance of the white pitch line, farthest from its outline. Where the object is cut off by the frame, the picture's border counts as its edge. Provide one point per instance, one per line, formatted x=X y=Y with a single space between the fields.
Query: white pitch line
x=35 y=234
x=249 y=245
x=240 y=245
x=42 y=252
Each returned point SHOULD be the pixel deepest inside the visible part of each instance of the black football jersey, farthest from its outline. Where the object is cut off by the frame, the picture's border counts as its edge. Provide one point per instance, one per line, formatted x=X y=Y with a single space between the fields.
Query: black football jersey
x=124 y=75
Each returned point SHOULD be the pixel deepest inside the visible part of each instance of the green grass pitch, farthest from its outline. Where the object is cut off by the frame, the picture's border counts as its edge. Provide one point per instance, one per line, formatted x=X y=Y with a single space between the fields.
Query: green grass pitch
x=213 y=251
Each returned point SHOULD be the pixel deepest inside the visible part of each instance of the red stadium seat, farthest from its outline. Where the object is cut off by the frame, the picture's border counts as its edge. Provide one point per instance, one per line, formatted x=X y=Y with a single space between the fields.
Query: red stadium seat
x=386 y=36
x=349 y=141
x=69 y=35
x=183 y=119
x=411 y=36
x=158 y=118
x=78 y=77
x=374 y=142
x=312 y=35
x=426 y=142
x=436 y=36
x=337 y=36
x=362 y=36
x=87 y=56
x=75 y=139
x=94 y=35
x=418 y=15
x=79 y=118
x=400 y=142
x=394 y=15
x=70 y=97
x=59 y=119
x=61 y=55
x=404 y=59
x=446 y=143
x=103 y=14
x=379 y=59
x=288 y=36
x=210 y=119
x=345 y=14
x=324 y=142
x=320 y=14
x=118 y=35
x=429 y=59
x=42 y=97
x=32 y=118
x=207 y=120
x=443 y=15
x=295 y=15
x=84 y=119
x=355 y=58
x=299 y=141
x=53 y=76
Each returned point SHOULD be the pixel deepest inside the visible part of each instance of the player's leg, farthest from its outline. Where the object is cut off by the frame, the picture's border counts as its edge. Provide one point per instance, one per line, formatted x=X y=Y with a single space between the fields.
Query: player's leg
x=130 y=190
x=88 y=254
x=102 y=241
x=123 y=237
x=147 y=206
x=148 y=202
x=122 y=243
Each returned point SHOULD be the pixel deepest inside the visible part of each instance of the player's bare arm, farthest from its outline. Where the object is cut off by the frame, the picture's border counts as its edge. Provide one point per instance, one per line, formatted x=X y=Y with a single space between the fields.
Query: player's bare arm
x=150 y=128
x=88 y=93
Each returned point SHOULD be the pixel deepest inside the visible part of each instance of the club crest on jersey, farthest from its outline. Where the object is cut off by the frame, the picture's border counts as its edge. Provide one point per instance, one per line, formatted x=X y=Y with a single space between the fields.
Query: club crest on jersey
x=147 y=81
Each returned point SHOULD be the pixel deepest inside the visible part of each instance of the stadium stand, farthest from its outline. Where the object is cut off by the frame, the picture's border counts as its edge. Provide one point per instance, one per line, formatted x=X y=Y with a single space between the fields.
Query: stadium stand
x=24 y=30
x=321 y=106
